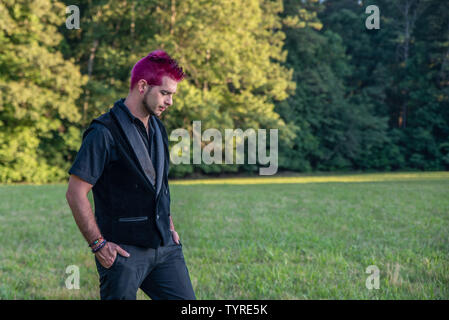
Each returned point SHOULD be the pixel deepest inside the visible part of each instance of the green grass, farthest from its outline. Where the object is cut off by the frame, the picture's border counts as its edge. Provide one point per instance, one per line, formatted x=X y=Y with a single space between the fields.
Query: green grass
x=304 y=240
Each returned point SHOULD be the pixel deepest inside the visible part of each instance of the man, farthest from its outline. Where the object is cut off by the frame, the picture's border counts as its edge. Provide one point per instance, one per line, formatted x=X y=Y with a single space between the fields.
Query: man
x=124 y=159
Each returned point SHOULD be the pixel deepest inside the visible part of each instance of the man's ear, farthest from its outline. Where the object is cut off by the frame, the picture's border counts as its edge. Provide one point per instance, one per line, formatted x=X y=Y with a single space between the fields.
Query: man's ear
x=142 y=86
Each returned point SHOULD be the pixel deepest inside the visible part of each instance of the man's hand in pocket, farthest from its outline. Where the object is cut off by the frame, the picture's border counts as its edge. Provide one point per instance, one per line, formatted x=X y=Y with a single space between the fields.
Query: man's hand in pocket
x=107 y=255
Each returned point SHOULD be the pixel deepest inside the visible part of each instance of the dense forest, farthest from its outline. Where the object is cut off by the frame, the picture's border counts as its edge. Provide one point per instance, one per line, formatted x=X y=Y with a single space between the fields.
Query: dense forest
x=343 y=97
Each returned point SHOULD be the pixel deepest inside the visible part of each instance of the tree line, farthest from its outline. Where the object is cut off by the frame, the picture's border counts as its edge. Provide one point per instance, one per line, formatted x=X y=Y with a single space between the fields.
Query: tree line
x=343 y=97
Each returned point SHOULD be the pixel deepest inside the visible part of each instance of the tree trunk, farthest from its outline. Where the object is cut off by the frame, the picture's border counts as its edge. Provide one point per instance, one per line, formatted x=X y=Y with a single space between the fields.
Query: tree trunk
x=173 y=16
x=90 y=66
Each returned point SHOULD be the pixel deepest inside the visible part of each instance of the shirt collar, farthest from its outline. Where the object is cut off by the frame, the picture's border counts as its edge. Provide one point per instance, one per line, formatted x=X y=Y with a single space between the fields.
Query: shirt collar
x=121 y=104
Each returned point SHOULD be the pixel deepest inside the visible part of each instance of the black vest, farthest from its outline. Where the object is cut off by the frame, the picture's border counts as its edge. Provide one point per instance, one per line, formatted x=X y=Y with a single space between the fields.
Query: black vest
x=126 y=206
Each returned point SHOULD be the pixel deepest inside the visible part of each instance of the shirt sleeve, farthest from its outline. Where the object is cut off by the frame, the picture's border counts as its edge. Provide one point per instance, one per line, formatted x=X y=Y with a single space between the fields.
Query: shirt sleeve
x=93 y=155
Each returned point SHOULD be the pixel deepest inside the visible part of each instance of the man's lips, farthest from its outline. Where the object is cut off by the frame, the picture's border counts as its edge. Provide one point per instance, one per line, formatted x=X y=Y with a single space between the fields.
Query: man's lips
x=162 y=108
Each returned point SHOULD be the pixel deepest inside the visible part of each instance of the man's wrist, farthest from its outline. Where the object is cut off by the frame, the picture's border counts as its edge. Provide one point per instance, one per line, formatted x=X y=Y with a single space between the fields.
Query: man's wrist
x=99 y=246
x=95 y=241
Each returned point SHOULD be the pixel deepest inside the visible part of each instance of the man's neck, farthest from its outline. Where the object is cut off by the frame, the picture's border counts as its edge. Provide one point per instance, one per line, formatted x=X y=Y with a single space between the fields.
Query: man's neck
x=137 y=110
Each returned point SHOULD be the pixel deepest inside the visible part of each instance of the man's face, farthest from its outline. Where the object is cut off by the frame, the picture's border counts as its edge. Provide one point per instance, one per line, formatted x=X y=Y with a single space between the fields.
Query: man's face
x=159 y=98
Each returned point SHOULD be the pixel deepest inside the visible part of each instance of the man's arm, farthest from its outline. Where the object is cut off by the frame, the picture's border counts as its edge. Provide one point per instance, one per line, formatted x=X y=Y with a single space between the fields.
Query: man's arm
x=84 y=217
x=81 y=209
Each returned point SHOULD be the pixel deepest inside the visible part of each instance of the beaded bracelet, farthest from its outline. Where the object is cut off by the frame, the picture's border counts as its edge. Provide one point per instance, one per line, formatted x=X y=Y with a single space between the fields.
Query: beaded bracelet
x=96 y=241
x=98 y=247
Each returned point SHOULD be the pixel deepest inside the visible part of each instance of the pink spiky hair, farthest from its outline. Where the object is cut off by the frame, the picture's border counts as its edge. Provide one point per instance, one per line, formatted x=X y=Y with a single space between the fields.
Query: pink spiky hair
x=153 y=67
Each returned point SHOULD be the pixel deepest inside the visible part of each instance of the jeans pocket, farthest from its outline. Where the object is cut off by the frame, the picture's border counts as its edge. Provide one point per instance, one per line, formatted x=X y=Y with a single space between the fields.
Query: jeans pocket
x=100 y=267
x=174 y=244
x=115 y=261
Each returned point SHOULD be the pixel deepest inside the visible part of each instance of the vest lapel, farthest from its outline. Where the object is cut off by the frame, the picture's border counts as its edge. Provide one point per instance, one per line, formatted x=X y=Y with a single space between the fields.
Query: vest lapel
x=159 y=154
x=136 y=143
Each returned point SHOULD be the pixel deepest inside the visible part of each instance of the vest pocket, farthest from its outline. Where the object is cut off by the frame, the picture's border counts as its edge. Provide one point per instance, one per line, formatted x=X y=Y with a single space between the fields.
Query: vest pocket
x=132 y=230
x=133 y=219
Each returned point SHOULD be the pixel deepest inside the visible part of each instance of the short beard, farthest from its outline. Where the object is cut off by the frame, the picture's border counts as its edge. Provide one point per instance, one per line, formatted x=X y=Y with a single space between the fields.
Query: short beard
x=145 y=104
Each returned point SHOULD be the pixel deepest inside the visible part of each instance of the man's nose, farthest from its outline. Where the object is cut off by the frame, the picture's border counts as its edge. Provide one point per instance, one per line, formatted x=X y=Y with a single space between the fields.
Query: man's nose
x=169 y=101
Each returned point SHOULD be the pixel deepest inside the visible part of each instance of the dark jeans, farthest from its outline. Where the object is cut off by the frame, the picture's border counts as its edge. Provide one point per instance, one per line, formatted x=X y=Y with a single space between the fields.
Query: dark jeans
x=161 y=273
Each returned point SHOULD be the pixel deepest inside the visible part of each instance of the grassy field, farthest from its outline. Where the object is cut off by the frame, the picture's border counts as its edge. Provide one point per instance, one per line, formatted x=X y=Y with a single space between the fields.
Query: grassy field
x=304 y=237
